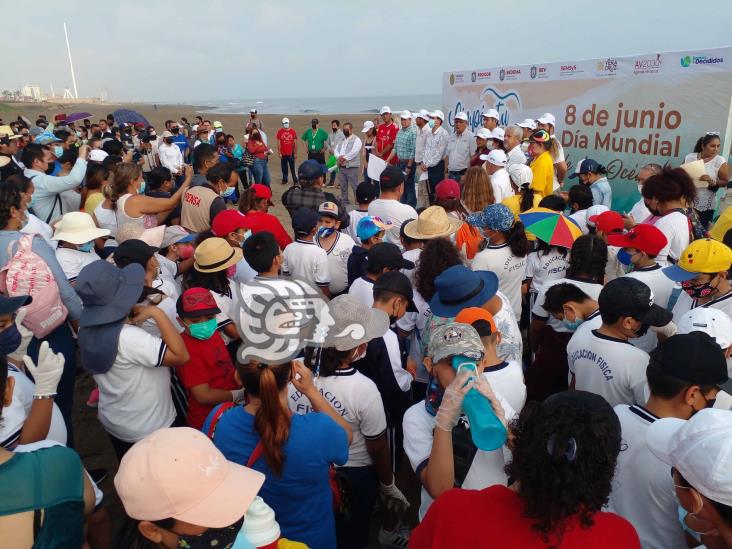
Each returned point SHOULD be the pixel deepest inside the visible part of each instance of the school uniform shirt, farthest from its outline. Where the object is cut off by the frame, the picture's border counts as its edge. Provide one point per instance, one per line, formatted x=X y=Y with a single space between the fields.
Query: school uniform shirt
x=544 y=266
x=607 y=366
x=509 y=269
x=662 y=288
x=337 y=256
x=363 y=290
x=685 y=303
x=501 y=183
x=590 y=288
x=419 y=427
x=301 y=497
x=169 y=274
x=73 y=261
x=303 y=259
x=512 y=344
x=395 y=212
x=223 y=318
x=613 y=268
x=415 y=324
x=413 y=256
x=507 y=379
x=134 y=395
x=580 y=216
x=356 y=398
x=642 y=488
x=15 y=414
x=354 y=216
x=675 y=225
x=209 y=363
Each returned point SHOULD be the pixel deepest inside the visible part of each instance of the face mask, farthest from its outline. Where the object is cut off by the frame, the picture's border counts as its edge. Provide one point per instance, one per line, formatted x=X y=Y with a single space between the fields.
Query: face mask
x=152 y=132
x=640 y=188
x=213 y=537
x=86 y=247
x=168 y=140
x=433 y=397
x=325 y=232
x=141 y=190
x=699 y=290
x=286 y=125
x=624 y=257
x=657 y=213
x=9 y=339
x=203 y=330
x=643 y=330
x=228 y=192
x=58 y=152
x=335 y=130
x=431 y=123
x=573 y=324
x=346 y=133
x=313 y=126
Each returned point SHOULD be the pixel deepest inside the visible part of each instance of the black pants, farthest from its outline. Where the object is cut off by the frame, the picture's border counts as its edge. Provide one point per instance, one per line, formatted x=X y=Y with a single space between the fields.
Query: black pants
x=319 y=156
x=120 y=446
x=435 y=174
x=286 y=161
x=352 y=531
x=705 y=217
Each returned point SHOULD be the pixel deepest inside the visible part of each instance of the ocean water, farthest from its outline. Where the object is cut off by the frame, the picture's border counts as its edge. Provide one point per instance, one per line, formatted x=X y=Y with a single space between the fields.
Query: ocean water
x=325 y=105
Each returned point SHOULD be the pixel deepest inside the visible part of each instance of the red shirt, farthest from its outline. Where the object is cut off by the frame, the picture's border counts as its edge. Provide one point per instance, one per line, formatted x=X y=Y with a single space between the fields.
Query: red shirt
x=493 y=517
x=385 y=136
x=210 y=364
x=257 y=148
x=287 y=138
x=258 y=222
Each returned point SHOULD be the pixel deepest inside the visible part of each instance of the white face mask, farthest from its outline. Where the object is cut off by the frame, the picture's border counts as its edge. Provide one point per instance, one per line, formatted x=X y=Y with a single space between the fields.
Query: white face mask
x=286 y=125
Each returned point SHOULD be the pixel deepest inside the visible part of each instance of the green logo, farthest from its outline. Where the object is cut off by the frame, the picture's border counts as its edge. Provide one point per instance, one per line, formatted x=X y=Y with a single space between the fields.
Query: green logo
x=686 y=61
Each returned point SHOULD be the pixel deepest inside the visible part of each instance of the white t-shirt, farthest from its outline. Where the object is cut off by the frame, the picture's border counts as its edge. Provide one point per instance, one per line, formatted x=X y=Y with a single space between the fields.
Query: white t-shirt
x=580 y=216
x=606 y=366
x=395 y=212
x=675 y=226
x=559 y=157
x=509 y=269
x=354 y=217
x=662 y=288
x=501 y=183
x=642 y=489
x=590 y=288
x=134 y=395
x=337 y=256
x=73 y=261
x=511 y=346
x=507 y=379
x=303 y=259
x=357 y=399
x=706 y=198
x=363 y=290
x=685 y=303
x=413 y=256
x=544 y=266
x=486 y=469
x=14 y=415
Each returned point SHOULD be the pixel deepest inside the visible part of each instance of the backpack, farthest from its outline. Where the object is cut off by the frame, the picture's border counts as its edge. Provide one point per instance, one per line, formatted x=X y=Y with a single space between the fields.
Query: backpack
x=26 y=273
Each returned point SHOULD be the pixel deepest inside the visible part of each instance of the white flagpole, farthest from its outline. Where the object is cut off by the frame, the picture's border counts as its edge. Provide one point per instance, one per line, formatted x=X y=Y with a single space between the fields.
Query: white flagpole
x=71 y=63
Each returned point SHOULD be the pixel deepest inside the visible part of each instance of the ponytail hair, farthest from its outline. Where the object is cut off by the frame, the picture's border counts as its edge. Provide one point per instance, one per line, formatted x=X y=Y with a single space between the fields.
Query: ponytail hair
x=272 y=420
x=588 y=258
x=704 y=140
x=121 y=177
x=527 y=197
x=517 y=241
x=553 y=147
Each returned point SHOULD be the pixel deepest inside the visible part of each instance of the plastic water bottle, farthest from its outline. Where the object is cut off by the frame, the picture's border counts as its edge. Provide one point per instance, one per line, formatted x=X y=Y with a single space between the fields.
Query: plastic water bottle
x=486 y=430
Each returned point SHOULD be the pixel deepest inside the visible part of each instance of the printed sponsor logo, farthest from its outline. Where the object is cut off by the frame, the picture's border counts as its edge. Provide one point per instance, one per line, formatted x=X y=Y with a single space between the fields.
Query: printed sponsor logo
x=484 y=75
x=532 y=72
x=648 y=65
x=568 y=70
x=607 y=67
x=502 y=75
x=689 y=60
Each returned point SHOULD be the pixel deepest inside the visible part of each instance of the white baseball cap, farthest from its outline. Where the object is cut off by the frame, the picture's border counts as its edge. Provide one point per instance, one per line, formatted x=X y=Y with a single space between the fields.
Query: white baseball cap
x=713 y=322
x=385 y=109
x=462 y=115
x=498 y=133
x=496 y=157
x=368 y=125
x=699 y=448
x=483 y=133
x=520 y=174
x=423 y=114
x=438 y=114
x=285 y=120
x=593 y=211
x=406 y=115
x=98 y=155
x=547 y=118
x=491 y=113
x=527 y=123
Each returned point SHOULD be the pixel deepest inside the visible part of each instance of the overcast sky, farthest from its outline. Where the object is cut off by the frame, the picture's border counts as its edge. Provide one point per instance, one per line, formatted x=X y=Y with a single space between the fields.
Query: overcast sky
x=194 y=50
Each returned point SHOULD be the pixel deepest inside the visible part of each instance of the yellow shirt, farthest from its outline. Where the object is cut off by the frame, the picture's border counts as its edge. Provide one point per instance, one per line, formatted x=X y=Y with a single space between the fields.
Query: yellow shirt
x=722 y=225
x=543 y=169
x=92 y=201
x=514 y=204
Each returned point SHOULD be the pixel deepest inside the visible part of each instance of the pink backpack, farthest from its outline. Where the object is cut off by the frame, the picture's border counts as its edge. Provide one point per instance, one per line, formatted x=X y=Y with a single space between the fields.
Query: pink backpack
x=26 y=273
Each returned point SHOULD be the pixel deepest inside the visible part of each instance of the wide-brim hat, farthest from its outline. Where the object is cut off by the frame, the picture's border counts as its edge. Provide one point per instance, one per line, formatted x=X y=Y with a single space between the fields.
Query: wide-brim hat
x=108 y=292
x=354 y=323
x=214 y=255
x=432 y=223
x=78 y=228
x=458 y=287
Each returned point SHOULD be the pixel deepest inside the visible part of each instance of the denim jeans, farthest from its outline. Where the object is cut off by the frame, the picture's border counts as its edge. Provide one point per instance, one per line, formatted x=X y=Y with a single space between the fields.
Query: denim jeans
x=288 y=160
x=410 y=194
x=260 y=169
x=456 y=175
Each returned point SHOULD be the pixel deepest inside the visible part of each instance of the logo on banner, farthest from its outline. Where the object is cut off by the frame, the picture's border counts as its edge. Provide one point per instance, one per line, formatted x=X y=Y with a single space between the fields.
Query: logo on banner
x=568 y=70
x=689 y=60
x=532 y=72
x=502 y=75
x=484 y=75
x=648 y=65
x=473 y=76
x=606 y=67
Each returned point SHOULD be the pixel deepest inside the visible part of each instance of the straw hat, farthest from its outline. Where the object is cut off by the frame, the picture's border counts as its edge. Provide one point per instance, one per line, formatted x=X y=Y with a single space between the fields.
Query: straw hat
x=78 y=228
x=214 y=255
x=432 y=223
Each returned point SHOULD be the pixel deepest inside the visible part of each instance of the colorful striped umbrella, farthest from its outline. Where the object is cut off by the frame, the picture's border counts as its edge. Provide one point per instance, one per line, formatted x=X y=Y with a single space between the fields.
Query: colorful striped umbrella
x=552 y=227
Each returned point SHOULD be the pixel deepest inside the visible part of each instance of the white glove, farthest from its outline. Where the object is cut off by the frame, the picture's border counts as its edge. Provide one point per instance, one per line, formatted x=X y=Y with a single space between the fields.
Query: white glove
x=239 y=396
x=48 y=372
x=393 y=497
x=25 y=336
x=484 y=388
x=666 y=331
x=452 y=401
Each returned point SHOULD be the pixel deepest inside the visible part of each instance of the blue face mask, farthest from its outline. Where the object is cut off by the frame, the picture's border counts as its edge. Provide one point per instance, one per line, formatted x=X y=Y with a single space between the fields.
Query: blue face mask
x=431 y=123
x=227 y=193
x=325 y=232
x=9 y=339
x=573 y=324
x=86 y=247
x=141 y=190
x=624 y=257
x=58 y=151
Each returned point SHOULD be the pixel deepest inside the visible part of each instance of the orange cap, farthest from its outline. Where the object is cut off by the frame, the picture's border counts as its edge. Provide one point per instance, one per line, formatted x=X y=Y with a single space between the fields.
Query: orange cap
x=471 y=314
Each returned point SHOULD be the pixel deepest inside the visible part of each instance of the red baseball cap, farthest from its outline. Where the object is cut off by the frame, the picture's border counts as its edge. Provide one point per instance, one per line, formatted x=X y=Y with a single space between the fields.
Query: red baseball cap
x=227 y=222
x=646 y=238
x=262 y=191
x=608 y=222
x=447 y=188
x=196 y=302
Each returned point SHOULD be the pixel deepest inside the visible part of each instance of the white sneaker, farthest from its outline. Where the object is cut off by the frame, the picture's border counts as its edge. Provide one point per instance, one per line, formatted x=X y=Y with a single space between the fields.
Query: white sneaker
x=396 y=538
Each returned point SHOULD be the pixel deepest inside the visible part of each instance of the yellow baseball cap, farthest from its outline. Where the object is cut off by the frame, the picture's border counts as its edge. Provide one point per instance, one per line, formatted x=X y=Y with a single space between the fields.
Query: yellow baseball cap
x=701 y=256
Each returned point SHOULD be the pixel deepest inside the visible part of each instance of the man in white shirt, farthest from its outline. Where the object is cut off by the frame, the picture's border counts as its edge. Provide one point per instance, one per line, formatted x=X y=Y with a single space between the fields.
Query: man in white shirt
x=602 y=361
x=348 y=154
x=490 y=119
x=434 y=154
x=423 y=134
x=170 y=155
x=496 y=168
x=547 y=122
x=640 y=213
x=512 y=143
x=461 y=148
x=684 y=375
x=388 y=207
x=335 y=138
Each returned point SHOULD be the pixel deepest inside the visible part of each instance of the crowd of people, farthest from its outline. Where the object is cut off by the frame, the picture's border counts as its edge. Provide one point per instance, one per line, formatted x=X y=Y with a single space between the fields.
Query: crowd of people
x=556 y=373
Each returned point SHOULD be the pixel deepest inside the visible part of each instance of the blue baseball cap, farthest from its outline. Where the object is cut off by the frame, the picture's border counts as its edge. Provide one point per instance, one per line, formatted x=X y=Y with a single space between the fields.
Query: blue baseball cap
x=9 y=305
x=304 y=220
x=496 y=217
x=585 y=166
x=368 y=226
x=311 y=170
x=457 y=288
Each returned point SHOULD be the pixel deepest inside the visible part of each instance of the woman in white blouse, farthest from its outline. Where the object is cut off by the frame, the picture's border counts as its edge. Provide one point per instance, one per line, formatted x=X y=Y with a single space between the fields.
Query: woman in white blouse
x=707 y=149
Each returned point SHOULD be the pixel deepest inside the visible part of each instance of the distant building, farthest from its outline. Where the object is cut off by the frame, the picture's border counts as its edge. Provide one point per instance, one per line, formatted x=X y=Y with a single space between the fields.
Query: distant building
x=31 y=90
